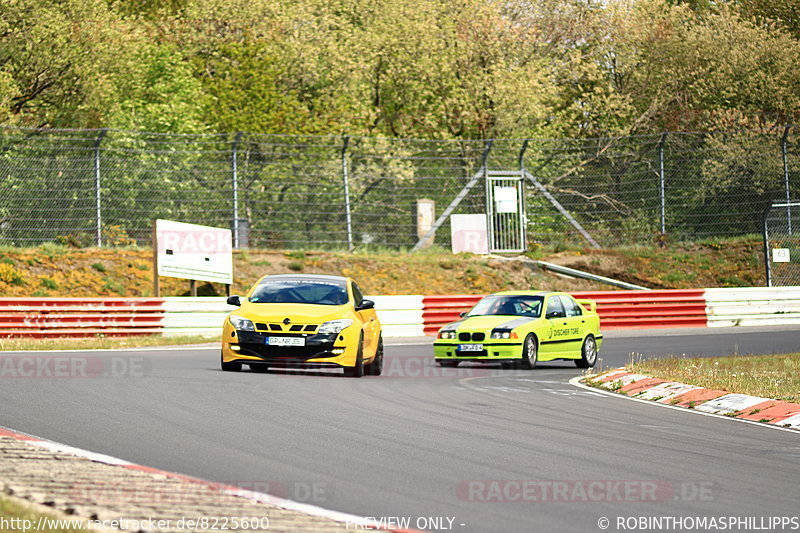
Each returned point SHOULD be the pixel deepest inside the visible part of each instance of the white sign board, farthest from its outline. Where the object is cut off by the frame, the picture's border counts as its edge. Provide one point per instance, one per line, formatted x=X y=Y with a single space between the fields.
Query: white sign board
x=780 y=255
x=505 y=199
x=196 y=252
x=468 y=234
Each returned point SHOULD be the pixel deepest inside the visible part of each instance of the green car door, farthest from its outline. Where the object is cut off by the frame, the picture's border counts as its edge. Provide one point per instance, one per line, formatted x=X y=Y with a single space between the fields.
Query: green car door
x=576 y=323
x=555 y=344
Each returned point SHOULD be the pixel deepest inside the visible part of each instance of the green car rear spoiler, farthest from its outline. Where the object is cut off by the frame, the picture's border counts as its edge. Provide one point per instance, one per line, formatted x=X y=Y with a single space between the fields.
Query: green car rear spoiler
x=590 y=304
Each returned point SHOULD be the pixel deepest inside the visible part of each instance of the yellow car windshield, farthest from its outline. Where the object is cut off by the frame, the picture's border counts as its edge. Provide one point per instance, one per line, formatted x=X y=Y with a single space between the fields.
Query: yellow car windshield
x=517 y=305
x=300 y=292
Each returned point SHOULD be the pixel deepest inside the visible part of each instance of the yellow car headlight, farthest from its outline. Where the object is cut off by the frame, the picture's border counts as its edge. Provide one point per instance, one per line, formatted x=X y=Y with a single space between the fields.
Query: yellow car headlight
x=241 y=323
x=334 y=326
x=447 y=334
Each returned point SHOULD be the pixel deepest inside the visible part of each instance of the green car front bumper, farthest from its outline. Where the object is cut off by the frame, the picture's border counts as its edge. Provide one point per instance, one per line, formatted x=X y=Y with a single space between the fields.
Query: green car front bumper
x=490 y=351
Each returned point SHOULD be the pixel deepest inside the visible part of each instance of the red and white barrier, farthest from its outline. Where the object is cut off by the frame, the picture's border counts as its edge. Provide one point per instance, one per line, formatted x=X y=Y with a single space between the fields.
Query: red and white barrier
x=753 y=306
x=401 y=316
x=80 y=317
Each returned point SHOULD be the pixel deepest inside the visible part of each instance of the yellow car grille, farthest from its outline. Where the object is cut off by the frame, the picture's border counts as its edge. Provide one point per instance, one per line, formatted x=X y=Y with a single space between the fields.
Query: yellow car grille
x=295 y=328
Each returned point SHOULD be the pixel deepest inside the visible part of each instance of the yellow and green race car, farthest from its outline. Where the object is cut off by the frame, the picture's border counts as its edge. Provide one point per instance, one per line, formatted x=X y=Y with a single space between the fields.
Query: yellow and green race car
x=303 y=321
x=522 y=328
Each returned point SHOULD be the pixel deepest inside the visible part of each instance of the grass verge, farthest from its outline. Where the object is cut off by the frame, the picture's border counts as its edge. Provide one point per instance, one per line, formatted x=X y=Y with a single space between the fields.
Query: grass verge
x=15 y=515
x=769 y=376
x=99 y=343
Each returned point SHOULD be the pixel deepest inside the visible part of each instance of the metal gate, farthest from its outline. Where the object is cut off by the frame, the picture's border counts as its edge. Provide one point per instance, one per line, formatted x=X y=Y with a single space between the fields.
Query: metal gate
x=505 y=211
x=782 y=244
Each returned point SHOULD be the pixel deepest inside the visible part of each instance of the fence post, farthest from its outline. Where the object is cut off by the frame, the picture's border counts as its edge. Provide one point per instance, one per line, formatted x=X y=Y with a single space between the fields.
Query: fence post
x=522 y=155
x=235 y=178
x=489 y=206
x=98 y=206
x=662 y=188
x=346 y=179
x=784 y=141
x=765 y=231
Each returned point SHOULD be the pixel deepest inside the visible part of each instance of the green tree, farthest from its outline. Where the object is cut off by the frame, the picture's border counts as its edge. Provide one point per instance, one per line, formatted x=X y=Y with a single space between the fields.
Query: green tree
x=682 y=72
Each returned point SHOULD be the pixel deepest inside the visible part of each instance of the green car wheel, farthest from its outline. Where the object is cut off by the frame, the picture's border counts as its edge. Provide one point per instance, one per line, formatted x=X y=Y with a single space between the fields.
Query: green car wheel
x=588 y=353
x=530 y=352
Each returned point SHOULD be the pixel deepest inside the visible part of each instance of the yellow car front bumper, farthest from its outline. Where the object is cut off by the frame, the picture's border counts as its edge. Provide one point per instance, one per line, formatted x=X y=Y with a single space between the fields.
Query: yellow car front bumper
x=320 y=351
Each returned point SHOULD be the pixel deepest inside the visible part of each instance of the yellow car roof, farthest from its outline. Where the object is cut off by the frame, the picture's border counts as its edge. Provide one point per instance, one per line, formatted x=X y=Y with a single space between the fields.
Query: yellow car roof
x=306 y=277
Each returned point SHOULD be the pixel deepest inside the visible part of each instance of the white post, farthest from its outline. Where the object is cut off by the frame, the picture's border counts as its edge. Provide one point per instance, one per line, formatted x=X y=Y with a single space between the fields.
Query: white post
x=347 y=194
x=235 y=177
x=98 y=207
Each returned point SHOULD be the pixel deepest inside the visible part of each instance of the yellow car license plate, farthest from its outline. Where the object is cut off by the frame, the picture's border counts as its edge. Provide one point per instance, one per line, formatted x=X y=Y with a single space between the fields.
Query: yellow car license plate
x=286 y=341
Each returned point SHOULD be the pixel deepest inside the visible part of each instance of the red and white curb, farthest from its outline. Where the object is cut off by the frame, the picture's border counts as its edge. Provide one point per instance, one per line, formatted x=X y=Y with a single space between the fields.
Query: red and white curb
x=715 y=402
x=352 y=521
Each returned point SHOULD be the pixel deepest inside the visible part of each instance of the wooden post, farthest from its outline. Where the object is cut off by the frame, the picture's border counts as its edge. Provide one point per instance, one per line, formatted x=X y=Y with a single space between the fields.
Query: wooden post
x=227 y=289
x=156 y=285
x=193 y=287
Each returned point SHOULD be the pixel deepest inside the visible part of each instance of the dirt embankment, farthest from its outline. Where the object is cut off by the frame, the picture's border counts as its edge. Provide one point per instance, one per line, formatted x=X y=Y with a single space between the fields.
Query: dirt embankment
x=736 y=263
x=61 y=271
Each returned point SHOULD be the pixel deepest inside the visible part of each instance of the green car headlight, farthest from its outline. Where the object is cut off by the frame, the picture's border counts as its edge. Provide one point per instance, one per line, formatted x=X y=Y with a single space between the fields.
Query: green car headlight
x=241 y=323
x=447 y=334
x=503 y=334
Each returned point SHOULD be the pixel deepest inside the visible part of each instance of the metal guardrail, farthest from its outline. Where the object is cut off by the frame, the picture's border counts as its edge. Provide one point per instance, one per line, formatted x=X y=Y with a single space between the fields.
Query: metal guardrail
x=575 y=273
x=572 y=272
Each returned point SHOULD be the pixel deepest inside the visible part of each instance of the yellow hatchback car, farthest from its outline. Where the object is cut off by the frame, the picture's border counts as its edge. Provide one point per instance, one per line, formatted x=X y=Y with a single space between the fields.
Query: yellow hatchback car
x=303 y=321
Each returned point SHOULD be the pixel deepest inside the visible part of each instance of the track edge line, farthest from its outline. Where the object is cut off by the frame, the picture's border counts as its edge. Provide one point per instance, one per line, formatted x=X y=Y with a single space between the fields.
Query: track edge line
x=577 y=382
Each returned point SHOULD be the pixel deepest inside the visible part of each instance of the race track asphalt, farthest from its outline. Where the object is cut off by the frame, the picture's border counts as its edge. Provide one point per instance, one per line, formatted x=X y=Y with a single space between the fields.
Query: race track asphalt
x=427 y=442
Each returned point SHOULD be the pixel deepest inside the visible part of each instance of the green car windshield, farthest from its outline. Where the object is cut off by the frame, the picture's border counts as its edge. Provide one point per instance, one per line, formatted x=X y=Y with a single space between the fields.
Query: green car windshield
x=514 y=305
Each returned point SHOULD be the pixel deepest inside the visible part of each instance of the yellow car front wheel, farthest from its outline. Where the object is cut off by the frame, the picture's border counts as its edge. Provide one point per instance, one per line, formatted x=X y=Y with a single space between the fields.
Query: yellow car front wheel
x=375 y=368
x=357 y=370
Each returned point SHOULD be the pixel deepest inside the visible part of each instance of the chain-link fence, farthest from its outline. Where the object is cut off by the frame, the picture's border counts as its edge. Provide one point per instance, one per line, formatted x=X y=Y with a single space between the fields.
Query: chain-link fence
x=91 y=187
x=782 y=244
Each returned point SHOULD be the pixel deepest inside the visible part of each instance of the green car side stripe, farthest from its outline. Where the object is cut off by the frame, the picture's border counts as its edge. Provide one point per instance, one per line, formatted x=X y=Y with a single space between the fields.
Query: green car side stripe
x=561 y=340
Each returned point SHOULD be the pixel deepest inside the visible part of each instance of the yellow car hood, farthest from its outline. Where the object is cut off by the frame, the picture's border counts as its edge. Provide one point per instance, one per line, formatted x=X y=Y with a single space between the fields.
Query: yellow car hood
x=297 y=313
